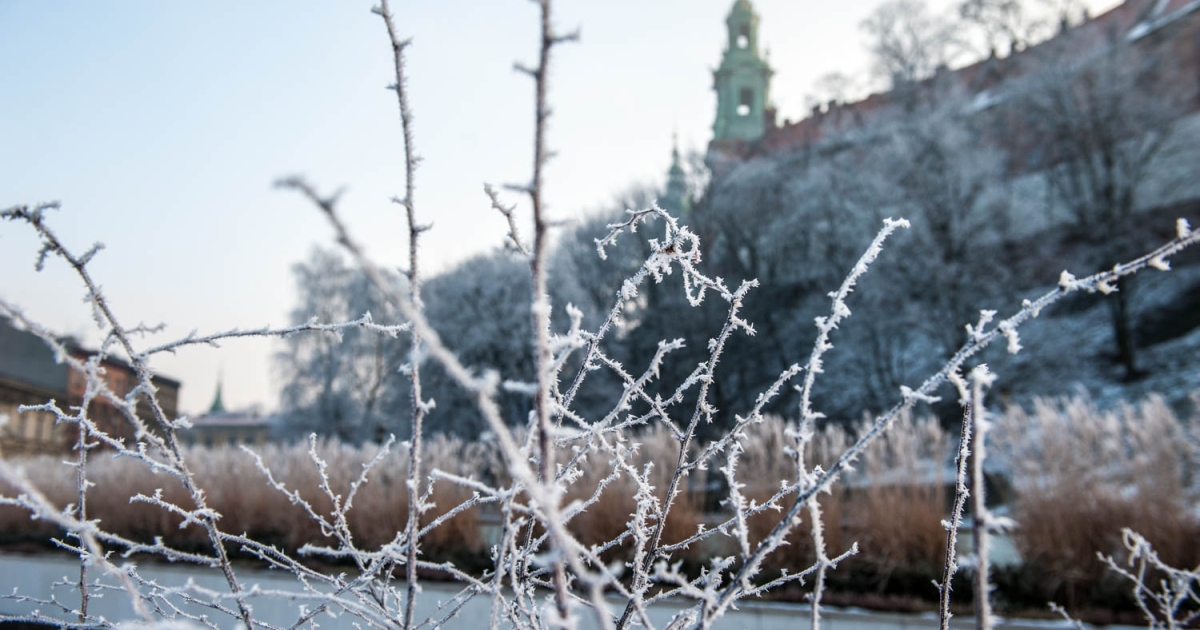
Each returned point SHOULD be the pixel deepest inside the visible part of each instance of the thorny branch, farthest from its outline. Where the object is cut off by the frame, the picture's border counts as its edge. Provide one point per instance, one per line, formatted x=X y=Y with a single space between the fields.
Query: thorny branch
x=419 y=406
x=537 y=552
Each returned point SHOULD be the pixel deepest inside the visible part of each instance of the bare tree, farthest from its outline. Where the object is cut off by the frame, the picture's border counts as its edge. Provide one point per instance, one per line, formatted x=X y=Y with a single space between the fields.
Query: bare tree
x=337 y=384
x=908 y=42
x=480 y=309
x=1101 y=115
x=948 y=175
x=1006 y=25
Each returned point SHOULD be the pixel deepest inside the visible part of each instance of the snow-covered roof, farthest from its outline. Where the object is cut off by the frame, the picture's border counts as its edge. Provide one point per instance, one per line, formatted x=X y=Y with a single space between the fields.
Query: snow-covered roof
x=231 y=419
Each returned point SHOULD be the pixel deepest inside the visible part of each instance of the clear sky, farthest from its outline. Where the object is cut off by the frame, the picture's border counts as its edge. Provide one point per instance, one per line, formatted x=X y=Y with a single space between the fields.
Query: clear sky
x=161 y=127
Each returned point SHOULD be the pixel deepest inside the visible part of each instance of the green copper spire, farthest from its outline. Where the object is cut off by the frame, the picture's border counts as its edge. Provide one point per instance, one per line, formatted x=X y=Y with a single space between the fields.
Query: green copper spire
x=743 y=80
x=217 y=405
x=675 y=198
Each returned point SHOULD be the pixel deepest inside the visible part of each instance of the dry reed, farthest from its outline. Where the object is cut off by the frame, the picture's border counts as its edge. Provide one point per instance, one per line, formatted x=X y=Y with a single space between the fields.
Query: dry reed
x=893 y=505
x=1082 y=474
x=236 y=490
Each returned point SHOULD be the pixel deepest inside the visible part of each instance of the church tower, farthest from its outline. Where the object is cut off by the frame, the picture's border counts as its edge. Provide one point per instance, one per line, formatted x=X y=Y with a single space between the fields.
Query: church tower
x=675 y=197
x=743 y=80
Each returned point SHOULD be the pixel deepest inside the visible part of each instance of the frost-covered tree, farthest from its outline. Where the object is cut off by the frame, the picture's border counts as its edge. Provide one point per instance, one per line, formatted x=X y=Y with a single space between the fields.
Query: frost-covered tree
x=340 y=383
x=1005 y=24
x=350 y=385
x=1099 y=120
x=481 y=308
x=908 y=43
x=795 y=220
x=949 y=178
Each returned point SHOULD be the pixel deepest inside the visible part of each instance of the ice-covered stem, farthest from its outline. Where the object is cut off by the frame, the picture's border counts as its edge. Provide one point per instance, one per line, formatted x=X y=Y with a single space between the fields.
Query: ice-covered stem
x=1178 y=589
x=808 y=417
x=981 y=379
x=514 y=233
x=82 y=483
x=702 y=410
x=543 y=357
x=1074 y=623
x=755 y=415
x=961 y=492
x=418 y=405
x=735 y=501
x=823 y=562
x=826 y=325
x=51 y=245
x=366 y=322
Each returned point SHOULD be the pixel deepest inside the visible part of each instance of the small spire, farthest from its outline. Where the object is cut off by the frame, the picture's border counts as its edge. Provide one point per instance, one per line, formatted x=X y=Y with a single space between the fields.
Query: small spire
x=217 y=406
x=675 y=197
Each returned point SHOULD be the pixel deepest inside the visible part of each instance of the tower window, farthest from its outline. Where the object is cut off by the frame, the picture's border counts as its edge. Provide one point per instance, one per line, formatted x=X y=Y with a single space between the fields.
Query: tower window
x=745 y=102
x=743 y=38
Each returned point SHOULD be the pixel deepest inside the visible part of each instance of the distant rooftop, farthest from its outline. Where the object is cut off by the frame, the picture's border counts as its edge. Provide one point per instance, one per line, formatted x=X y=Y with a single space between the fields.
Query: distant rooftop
x=25 y=358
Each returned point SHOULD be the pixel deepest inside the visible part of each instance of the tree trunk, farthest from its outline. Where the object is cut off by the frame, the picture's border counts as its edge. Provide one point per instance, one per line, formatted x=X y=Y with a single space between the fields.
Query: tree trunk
x=1122 y=320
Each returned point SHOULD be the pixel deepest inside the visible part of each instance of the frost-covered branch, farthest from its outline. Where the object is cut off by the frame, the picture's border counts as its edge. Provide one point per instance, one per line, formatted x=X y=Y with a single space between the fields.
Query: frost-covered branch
x=1168 y=597
x=961 y=493
x=419 y=406
x=104 y=316
x=634 y=457
x=366 y=322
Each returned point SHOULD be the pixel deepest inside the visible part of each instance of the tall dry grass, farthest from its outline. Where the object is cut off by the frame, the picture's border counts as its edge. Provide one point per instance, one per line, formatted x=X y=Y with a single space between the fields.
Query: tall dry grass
x=892 y=504
x=55 y=480
x=894 y=508
x=1081 y=474
x=237 y=490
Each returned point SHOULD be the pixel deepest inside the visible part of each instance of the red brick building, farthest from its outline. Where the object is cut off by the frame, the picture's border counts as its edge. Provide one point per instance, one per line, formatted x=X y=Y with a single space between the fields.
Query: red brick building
x=1170 y=28
x=30 y=375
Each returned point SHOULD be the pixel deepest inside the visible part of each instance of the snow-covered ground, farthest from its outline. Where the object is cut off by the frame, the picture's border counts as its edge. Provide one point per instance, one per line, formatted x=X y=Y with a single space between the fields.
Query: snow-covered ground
x=1071 y=350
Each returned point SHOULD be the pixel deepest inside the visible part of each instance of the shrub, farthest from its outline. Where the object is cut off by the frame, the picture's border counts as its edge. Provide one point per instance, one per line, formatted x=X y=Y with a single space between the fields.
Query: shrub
x=1081 y=475
x=541 y=574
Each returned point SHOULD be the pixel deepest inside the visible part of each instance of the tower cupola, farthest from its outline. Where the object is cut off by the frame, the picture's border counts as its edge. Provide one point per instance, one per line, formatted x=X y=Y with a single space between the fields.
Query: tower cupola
x=742 y=82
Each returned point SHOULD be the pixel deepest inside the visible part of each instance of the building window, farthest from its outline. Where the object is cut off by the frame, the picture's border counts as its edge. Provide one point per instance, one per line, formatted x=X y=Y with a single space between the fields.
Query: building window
x=745 y=102
x=743 y=38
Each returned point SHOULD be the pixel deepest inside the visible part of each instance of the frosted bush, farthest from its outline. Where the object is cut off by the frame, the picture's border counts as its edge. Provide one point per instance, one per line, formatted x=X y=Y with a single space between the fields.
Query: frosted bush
x=1081 y=474
x=376 y=510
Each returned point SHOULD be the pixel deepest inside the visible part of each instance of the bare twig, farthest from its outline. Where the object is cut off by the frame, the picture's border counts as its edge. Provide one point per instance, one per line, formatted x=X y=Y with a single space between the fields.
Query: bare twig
x=419 y=406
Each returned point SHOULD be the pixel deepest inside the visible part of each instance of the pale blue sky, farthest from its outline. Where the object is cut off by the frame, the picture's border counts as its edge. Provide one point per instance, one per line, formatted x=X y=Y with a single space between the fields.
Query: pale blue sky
x=162 y=125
